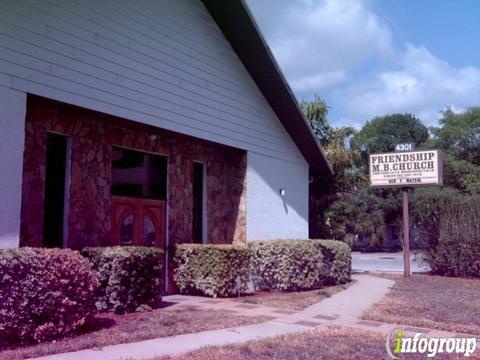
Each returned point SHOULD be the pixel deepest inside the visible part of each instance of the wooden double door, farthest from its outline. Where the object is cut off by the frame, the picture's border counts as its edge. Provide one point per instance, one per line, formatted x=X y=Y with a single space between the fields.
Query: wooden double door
x=138 y=222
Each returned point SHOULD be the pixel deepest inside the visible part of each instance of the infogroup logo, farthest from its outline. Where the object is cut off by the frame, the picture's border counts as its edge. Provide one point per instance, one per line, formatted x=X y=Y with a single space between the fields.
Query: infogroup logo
x=398 y=343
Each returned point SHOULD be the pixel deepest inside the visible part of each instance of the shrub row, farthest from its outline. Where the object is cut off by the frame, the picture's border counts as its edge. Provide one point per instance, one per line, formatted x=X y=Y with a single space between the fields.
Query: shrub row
x=337 y=258
x=457 y=250
x=130 y=277
x=224 y=270
x=286 y=265
x=213 y=270
x=48 y=293
x=291 y=265
x=44 y=293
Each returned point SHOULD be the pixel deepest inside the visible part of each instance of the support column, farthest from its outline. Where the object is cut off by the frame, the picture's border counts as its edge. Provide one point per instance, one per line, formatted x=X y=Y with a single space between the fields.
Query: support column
x=12 y=139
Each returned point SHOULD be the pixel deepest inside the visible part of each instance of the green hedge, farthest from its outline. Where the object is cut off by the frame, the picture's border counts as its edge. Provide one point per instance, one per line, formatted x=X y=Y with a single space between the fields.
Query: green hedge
x=457 y=251
x=337 y=259
x=131 y=277
x=292 y=265
x=212 y=270
x=44 y=293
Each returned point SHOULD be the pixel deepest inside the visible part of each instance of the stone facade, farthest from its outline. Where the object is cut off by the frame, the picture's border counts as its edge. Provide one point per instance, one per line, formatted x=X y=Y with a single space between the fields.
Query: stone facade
x=91 y=136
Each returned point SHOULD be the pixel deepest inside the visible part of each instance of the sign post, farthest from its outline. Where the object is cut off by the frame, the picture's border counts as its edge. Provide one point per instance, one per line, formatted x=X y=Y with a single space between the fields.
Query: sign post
x=406 y=234
x=405 y=169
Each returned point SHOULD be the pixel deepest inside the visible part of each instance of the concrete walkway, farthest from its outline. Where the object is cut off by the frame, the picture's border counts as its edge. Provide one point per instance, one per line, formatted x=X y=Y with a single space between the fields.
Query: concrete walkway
x=356 y=299
x=341 y=309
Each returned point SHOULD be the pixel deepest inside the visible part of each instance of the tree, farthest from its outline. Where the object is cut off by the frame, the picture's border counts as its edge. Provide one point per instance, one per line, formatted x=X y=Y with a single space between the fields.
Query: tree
x=357 y=214
x=336 y=143
x=427 y=206
x=343 y=159
x=345 y=208
x=459 y=137
x=316 y=112
x=375 y=208
x=459 y=134
x=382 y=134
x=324 y=190
x=461 y=174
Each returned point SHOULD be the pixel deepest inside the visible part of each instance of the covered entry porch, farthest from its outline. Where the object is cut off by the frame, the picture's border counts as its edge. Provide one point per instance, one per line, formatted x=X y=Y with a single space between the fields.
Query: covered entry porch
x=91 y=179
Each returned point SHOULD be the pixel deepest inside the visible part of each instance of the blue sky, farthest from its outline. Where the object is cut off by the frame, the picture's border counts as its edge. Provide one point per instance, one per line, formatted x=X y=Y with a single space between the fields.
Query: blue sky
x=374 y=57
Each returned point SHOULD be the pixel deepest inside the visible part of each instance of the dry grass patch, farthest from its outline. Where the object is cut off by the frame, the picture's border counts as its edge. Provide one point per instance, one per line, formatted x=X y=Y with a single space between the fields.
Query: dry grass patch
x=387 y=275
x=296 y=300
x=110 y=329
x=436 y=302
x=321 y=343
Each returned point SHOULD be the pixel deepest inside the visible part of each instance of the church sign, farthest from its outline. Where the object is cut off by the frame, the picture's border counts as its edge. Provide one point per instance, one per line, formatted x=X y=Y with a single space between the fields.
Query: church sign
x=406 y=168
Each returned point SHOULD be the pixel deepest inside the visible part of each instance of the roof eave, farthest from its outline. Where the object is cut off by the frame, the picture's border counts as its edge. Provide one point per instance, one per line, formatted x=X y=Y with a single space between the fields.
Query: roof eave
x=239 y=27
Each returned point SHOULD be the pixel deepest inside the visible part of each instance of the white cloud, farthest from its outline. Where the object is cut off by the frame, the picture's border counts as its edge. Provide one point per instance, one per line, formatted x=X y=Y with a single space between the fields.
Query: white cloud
x=320 y=43
x=319 y=81
x=344 y=51
x=422 y=84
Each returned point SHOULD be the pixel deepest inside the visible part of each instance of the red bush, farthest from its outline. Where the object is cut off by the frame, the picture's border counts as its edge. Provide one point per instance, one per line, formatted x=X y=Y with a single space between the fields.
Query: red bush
x=44 y=293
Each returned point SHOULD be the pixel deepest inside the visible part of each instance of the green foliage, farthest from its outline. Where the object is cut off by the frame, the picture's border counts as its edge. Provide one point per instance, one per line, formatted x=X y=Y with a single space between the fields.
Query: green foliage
x=130 y=276
x=343 y=207
x=291 y=265
x=316 y=112
x=337 y=261
x=343 y=159
x=349 y=209
x=361 y=214
x=287 y=265
x=426 y=209
x=212 y=270
x=457 y=252
x=44 y=293
x=336 y=143
x=461 y=174
x=382 y=134
x=326 y=189
x=459 y=134
x=459 y=137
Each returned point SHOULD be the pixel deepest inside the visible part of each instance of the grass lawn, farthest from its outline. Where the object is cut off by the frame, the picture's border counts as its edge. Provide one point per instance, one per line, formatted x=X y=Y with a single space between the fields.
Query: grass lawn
x=436 y=302
x=297 y=300
x=322 y=343
x=109 y=329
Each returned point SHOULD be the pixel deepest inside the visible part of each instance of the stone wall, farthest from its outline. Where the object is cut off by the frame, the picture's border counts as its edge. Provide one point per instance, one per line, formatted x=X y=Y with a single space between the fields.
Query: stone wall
x=92 y=136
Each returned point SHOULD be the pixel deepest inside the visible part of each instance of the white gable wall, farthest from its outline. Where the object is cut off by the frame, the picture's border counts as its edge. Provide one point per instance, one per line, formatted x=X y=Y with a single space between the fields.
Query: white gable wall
x=269 y=214
x=163 y=63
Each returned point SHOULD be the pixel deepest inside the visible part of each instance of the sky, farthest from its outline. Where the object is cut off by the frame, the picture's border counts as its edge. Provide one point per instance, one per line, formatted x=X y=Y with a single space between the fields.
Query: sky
x=369 y=58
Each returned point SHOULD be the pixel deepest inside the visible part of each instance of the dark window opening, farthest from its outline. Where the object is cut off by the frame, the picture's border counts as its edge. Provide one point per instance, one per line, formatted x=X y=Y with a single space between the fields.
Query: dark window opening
x=139 y=175
x=198 y=202
x=55 y=190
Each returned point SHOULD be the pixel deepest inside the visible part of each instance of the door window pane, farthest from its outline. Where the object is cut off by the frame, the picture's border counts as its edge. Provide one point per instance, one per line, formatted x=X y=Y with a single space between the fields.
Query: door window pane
x=126 y=230
x=149 y=231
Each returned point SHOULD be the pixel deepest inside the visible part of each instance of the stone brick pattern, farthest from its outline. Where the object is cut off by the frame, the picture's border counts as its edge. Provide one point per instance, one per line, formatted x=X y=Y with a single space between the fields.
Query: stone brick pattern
x=92 y=136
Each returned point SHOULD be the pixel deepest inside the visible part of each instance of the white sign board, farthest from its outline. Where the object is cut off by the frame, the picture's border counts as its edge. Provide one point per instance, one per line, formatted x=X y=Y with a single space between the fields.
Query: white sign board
x=409 y=168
